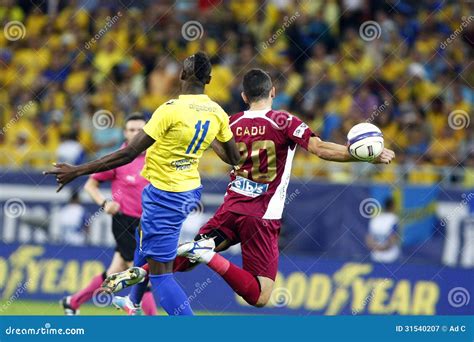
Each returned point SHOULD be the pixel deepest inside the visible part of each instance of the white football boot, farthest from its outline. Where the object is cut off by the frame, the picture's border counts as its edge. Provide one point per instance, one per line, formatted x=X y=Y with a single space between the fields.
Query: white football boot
x=198 y=251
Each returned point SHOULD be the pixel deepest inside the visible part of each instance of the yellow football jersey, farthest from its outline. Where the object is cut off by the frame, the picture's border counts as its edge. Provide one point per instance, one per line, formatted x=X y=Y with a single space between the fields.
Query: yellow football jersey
x=182 y=130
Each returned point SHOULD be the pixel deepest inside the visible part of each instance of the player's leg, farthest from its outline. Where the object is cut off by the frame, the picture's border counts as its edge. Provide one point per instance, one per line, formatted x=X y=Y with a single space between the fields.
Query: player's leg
x=222 y=238
x=137 y=292
x=140 y=297
x=118 y=264
x=266 y=289
x=123 y=229
x=260 y=252
x=136 y=275
x=220 y=243
x=126 y=234
x=161 y=276
x=116 y=282
x=163 y=215
x=253 y=282
x=72 y=303
x=148 y=303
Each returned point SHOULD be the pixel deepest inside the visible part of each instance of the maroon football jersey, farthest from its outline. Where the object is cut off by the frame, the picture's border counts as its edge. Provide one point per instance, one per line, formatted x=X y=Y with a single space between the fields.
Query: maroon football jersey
x=267 y=142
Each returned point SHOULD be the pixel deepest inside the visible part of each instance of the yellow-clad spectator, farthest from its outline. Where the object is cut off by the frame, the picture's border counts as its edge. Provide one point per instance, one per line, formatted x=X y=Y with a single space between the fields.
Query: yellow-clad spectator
x=71 y=14
x=392 y=68
x=78 y=60
x=77 y=81
x=444 y=147
x=340 y=103
x=105 y=59
x=244 y=10
x=437 y=117
x=9 y=11
x=423 y=173
x=358 y=64
x=219 y=88
x=35 y=23
x=425 y=90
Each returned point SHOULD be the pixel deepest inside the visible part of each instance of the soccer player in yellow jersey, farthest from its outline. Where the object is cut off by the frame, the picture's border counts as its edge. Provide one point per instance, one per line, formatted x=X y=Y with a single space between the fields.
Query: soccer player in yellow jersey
x=175 y=138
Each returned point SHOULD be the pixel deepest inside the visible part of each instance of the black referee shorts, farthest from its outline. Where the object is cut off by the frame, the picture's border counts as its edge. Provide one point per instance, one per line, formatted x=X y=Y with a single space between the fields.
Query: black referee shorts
x=123 y=228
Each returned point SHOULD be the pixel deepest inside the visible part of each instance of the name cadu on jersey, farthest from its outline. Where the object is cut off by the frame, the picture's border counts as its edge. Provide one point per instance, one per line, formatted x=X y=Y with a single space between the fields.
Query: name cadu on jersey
x=267 y=141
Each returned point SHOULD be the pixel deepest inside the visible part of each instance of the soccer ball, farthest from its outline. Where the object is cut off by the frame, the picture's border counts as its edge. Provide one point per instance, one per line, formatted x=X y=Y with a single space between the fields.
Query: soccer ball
x=365 y=141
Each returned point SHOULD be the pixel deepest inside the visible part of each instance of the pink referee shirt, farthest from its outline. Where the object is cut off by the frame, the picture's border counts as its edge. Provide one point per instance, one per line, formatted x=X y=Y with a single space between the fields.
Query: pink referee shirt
x=127 y=185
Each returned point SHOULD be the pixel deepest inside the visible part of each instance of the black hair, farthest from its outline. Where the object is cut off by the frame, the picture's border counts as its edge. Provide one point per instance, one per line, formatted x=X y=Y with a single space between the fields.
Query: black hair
x=198 y=68
x=135 y=116
x=257 y=85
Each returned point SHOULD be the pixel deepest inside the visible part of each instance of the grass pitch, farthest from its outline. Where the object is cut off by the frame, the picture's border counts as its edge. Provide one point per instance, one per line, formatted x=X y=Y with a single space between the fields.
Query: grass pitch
x=50 y=308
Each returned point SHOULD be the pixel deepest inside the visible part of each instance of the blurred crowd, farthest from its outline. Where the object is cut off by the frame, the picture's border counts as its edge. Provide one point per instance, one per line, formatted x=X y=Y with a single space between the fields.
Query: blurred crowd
x=71 y=70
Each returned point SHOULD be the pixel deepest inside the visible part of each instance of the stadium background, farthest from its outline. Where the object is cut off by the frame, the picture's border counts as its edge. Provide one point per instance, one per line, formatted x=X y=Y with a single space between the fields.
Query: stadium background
x=71 y=70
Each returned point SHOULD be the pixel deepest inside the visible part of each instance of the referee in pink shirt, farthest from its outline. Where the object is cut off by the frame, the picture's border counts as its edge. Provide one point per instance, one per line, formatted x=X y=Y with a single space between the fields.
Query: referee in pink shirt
x=126 y=210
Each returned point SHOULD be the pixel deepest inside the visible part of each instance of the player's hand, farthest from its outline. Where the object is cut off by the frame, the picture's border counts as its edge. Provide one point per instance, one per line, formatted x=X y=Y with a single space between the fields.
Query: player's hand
x=111 y=207
x=65 y=173
x=385 y=157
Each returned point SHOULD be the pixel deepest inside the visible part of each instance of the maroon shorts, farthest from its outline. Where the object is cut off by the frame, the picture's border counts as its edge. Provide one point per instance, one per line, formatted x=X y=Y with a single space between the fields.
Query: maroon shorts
x=258 y=238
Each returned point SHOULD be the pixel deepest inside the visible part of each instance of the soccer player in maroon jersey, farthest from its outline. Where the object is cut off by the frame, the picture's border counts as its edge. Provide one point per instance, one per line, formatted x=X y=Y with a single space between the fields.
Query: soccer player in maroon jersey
x=254 y=201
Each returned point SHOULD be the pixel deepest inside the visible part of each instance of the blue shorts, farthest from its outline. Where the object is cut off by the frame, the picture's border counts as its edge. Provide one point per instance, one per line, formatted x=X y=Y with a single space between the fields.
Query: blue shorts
x=163 y=215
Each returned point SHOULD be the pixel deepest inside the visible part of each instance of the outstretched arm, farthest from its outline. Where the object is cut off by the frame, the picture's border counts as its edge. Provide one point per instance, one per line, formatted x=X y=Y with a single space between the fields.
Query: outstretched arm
x=228 y=151
x=339 y=153
x=66 y=173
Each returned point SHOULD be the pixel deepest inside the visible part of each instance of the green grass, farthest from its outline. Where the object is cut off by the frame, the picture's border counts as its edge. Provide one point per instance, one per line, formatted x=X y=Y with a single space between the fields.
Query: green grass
x=50 y=308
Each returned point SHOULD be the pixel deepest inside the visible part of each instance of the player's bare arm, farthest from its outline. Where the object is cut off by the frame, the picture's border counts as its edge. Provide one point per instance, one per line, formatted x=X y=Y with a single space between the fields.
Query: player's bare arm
x=339 y=153
x=92 y=188
x=227 y=151
x=66 y=173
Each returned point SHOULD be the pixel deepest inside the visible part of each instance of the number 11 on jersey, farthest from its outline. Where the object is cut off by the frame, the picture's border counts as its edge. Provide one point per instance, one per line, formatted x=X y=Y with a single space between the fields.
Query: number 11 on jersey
x=198 y=127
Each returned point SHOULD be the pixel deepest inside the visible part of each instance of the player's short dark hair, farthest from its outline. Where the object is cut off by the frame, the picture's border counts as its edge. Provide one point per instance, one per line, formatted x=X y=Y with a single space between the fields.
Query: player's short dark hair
x=257 y=84
x=198 y=67
x=135 y=116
